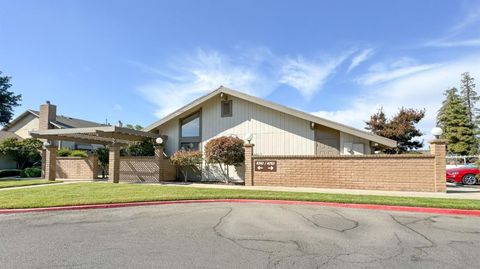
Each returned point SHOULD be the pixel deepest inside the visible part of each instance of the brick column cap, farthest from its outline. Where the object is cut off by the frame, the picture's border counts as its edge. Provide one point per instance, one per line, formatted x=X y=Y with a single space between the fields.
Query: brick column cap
x=248 y=145
x=438 y=141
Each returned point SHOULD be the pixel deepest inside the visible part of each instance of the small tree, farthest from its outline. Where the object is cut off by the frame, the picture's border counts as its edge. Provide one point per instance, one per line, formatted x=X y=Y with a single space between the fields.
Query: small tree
x=185 y=160
x=24 y=152
x=102 y=154
x=225 y=151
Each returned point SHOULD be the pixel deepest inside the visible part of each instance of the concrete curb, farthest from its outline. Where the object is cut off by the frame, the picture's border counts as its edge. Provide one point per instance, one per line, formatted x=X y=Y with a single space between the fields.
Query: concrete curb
x=463 y=212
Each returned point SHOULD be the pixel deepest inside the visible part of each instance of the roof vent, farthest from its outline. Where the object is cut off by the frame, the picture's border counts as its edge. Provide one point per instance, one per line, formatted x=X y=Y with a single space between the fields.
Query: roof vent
x=48 y=102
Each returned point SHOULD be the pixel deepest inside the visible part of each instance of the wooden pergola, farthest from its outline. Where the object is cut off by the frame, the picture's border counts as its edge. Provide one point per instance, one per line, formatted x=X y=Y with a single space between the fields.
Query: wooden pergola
x=112 y=136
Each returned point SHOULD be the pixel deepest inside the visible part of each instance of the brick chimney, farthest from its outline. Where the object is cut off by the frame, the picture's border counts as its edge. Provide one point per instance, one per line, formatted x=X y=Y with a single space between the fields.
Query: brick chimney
x=48 y=113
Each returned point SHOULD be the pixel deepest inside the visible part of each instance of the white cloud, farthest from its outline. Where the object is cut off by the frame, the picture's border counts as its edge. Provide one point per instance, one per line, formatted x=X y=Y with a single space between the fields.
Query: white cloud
x=308 y=76
x=191 y=76
x=360 y=58
x=381 y=72
x=255 y=71
x=416 y=90
x=463 y=33
x=454 y=43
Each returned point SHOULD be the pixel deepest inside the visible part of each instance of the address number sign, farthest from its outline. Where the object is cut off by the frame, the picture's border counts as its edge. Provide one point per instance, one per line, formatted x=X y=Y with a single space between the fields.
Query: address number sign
x=266 y=166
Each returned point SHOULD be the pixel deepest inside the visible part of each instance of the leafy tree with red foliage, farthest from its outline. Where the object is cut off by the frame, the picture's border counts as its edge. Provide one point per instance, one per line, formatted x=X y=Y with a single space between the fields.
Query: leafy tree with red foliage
x=401 y=128
x=186 y=160
x=225 y=151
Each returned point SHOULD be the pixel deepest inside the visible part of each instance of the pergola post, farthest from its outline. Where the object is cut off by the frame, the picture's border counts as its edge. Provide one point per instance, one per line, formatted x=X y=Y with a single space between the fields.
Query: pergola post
x=159 y=158
x=50 y=166
x=114 y=162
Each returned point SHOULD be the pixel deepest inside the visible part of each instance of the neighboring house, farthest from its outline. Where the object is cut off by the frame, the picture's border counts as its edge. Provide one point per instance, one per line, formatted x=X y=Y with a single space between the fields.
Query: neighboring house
x=44 y=119
x=275 y=129
x=6 y=162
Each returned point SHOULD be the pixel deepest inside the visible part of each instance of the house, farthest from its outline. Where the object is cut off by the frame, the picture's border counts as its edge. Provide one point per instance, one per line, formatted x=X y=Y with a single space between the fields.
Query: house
x=46 y=118
x=274 y=129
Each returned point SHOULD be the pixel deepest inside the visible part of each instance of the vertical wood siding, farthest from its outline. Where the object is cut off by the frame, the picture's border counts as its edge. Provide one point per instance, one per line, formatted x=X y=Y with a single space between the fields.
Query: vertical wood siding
x=273 y=132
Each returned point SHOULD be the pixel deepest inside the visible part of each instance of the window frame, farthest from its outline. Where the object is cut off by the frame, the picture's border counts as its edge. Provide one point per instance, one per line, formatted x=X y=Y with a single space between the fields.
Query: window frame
x=191 y=139
x=223 y=114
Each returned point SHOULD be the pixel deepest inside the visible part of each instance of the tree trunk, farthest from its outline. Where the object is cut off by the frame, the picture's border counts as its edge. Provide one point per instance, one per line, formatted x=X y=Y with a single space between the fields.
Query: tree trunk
x=228 y=175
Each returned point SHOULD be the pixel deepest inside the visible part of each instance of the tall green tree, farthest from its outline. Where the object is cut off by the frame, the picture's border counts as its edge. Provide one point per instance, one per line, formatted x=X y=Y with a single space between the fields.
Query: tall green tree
x=401 y=128
x=454 y=119
x=469 y=95
x=8 y=100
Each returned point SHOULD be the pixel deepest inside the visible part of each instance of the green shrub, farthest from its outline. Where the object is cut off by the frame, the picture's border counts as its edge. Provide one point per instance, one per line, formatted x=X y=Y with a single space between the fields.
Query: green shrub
x=10 y=172
x=64 y=152
x=32 y=172
x=78 y=153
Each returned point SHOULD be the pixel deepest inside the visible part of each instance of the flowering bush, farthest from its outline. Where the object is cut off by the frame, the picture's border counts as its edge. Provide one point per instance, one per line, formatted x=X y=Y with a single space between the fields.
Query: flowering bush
x=225 y=151
x=186 y=160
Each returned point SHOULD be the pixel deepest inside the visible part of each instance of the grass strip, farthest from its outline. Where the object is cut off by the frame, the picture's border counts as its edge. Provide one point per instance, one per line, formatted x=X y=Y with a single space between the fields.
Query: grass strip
x=96 y=193
x=12 y=182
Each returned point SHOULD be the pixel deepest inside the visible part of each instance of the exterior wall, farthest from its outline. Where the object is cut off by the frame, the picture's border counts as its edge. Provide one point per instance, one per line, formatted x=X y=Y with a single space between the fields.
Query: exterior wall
x=368 y=172
x=24 y=126
x=347 y=140
x=273 y=132
x=77 y=167
x=146 y=169
x=171 y=129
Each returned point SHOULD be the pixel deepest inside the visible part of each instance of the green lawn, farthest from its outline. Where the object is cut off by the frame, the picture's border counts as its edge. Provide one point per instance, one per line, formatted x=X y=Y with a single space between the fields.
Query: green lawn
x=91 y=193
x=12 y=182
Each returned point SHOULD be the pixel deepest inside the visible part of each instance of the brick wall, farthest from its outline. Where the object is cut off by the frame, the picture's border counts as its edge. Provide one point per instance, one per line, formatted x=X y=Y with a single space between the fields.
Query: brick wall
x=77 y=167
x=367 y=172
x=146 y=169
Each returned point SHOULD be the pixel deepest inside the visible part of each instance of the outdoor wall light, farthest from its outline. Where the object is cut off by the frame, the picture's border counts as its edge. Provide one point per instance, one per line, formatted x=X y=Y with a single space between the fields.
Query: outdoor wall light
x=159 y=140
x=437 y=132
x=46 y=144
x=249 y=137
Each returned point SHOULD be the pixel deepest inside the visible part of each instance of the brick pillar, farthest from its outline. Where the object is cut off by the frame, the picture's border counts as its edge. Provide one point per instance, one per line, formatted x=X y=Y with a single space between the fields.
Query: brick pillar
x=114 y=163
x=44 y=160
x=248 y=164
x=159 y=157
x=439 y=150
x=50 y=167
x=95 y=166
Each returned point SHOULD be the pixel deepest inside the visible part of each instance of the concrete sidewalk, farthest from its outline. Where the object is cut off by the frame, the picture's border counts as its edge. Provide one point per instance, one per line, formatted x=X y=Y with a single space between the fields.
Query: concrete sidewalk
x=453 y=192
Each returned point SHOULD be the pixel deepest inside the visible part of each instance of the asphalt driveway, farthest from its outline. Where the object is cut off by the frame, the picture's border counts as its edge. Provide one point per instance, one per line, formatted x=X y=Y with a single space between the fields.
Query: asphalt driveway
x=228 y=235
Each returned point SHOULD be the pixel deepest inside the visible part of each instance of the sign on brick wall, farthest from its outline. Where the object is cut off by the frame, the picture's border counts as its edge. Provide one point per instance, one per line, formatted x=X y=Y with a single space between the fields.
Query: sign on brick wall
x=266 y=166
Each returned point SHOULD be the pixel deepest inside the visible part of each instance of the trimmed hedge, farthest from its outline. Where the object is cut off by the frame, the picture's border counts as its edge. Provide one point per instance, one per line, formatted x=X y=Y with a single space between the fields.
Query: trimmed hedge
x=10 y=172
x=66 y=152
x=32 y=172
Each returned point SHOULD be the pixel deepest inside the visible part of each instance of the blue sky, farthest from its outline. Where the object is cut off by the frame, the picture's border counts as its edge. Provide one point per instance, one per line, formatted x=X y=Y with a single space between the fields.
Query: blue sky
x=138 y=60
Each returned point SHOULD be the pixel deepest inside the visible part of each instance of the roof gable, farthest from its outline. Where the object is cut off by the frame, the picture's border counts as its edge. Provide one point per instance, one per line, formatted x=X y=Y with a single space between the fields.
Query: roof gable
x=277 y=107
x=61 y=122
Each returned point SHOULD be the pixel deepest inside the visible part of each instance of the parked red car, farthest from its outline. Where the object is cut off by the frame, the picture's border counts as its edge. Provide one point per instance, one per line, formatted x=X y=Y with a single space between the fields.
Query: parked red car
x=465 y=175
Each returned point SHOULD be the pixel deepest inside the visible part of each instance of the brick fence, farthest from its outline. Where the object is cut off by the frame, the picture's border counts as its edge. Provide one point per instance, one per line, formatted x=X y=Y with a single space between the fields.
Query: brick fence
x=368 y=172
x=77 y=167
x=147 y=169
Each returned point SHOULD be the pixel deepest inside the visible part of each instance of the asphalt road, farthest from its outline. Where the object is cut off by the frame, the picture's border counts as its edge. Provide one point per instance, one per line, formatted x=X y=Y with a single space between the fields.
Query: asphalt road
x=238 y=236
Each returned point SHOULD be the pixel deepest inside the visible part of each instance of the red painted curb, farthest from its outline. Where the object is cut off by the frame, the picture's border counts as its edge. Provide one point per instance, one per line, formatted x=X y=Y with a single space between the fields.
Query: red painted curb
x=463 y=212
